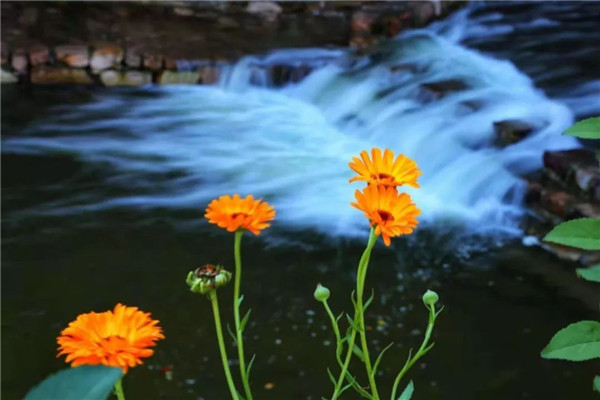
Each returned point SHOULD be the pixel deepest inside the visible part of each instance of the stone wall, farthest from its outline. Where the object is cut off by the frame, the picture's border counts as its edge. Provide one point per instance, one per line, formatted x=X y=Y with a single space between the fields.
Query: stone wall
x=137 y=43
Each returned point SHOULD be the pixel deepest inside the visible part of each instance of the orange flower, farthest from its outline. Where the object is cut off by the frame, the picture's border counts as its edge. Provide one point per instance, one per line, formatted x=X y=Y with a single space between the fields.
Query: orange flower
x=116 y=338
x=392 y=214
x=384 y=170
x=233 y=213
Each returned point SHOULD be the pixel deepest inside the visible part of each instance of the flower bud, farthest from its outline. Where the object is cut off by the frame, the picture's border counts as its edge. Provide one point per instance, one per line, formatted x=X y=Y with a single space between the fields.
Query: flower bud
x=430 y=298
x=321 y=293
x=207 y=278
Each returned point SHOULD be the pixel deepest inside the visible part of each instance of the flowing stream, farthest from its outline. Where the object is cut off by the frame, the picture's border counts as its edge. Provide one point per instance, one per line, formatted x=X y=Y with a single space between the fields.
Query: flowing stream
x=103 y=190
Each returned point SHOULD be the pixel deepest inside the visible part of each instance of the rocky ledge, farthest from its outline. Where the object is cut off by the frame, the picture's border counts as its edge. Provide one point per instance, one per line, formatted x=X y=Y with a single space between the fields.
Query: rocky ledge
x=137 y=43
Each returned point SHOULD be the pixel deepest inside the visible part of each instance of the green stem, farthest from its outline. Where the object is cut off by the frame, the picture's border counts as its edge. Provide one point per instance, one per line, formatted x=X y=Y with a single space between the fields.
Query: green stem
x=422 y=351
x=236 y=311
x=361 y=275
x=215 y=307
x=360 y=284
x=119 y=389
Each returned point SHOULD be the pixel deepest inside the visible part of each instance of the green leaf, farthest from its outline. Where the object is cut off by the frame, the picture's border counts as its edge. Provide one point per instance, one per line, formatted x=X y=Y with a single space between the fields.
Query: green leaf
x=245 y=320
x=586 y=129
x=369 y=300
x=379 y=358
x=331 y=377
x=249 y=367
x=240 y=299
x=408 y=392
x=583 y=233
x=88 y=382
x=597 y=384
x=577 y=342
x=231 y=333
x=590 y=274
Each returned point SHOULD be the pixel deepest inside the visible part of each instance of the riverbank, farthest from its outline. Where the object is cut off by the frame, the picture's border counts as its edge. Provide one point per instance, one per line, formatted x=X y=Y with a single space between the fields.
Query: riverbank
x=137 y=43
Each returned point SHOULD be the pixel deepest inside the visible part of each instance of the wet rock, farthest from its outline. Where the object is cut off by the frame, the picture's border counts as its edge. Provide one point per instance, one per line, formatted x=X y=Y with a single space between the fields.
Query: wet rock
x=280 y=75
x=425 y=12
x=105 y=57
x=177 y=78
x=533 y=194
x=133 y=58
x=589 y=210
x=127 y=78
x=39 y=54
x=76 y=56
x=558 y=203
x=152 y=61
x=562 y=163
x=7 y=77
x=588 y=178
x=511 y=131
x=20 y=61
x=362 y=22
x=432 y=91
x=52 y=75
x=268 y=10
x=209 y=75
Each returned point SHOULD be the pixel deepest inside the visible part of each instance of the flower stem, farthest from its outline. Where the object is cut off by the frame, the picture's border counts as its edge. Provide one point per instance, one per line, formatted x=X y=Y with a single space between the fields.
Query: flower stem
x=236 y=311
x=360 y=285
x=215 y=307
x=422 y=350
x=119 y=389
x=358 y=315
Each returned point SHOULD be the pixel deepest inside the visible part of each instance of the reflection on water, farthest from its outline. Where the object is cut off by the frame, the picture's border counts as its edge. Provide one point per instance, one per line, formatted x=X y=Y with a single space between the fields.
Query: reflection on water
x=103 y=193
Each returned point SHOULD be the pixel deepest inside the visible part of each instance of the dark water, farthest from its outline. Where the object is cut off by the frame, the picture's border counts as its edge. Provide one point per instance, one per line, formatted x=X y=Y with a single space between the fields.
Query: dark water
x=502 y=301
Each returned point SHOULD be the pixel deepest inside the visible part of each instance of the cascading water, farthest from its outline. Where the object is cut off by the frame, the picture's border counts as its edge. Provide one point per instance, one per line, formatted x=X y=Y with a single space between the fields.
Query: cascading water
x=422 y=94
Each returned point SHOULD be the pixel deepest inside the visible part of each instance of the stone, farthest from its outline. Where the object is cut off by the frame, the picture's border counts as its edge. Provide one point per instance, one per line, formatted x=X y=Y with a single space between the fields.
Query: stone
x=133 y=58
x=209 y=75
x=425 y=12
x=587 y=178
x=511 y=131
x=558 y=203
x=7 y=77
x=586 y=210
x=178 y=78
x=39 y=54
x=20 y=61
x=50 y=75
x=562 y=162
x=268 y=10
x=153 y=62
x=170 y=63
x=105 y=57
x=533 y=194
x=362 y=22
x=183 y=11
x=74 y=55
x=127 y=78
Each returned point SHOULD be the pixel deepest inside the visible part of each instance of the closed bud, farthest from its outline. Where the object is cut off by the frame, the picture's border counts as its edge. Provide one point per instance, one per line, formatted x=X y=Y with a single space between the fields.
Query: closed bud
x=430 y=298
x=321 y=293
x=207 y=278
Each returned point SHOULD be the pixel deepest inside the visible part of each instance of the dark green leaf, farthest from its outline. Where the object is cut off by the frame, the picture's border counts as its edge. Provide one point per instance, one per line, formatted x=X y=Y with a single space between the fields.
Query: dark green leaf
x=590 y=274
x=586 y=129
x=583 y=233
x=81 y=383
x=577 y=342
x=378 y=361
x=331 y=377
x=408 y=392
x=231 y=334
x=358 y=352
x=241 y=298
x=369 y=300
x=250 y=366
x=597 y=384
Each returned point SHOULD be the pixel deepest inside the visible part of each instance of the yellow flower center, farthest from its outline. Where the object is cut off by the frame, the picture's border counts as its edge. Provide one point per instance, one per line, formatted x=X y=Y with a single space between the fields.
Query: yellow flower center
x=381 y=176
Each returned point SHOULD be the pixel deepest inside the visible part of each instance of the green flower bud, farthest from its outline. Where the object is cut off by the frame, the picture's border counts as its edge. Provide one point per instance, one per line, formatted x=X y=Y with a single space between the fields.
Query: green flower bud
x=430 y=298
x=321 y=293
x=207 y=278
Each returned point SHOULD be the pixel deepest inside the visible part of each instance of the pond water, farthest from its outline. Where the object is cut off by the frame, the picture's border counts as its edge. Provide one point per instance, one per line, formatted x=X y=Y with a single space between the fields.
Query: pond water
x=104 y=192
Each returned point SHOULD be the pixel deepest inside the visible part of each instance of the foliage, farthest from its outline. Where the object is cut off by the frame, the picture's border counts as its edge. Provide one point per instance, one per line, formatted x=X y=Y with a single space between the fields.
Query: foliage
x=586 y=129
x=583 y=233
x=577 y=342
x=82 y=383
x=590 y=274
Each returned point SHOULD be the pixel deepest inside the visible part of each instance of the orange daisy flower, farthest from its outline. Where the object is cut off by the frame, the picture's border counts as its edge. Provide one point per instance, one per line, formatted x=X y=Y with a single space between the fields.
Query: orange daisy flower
x=391 y=213
x=233 y=213
x=116 y=338
x=384 y=170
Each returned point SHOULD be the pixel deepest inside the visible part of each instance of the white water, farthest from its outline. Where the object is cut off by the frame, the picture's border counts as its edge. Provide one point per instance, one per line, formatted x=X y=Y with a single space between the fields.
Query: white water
x=292 y=145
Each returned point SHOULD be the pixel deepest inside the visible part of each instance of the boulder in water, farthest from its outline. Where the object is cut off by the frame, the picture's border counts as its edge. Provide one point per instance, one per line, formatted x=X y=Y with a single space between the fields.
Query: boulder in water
x=511 y=131
x=73 y=55
x=52 y=75
x=106 y=56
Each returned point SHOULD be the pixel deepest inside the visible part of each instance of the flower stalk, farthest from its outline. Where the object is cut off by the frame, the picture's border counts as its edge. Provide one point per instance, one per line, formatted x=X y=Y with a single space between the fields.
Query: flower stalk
x=236 y=312
x=119 y=389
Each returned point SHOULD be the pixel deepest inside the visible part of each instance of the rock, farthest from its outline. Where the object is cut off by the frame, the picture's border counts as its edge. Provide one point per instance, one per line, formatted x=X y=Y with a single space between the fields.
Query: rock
x=268 y=10
x=177 y=78
x=586 y=210
x=511 y=131
x=533 y=194
x=432 y=91
x=133 y=58
x=7 y=77
x=127 y=78
x=183 y=11
x=228 y=23
x=425 y=12
x=170 y=63
x=362 y=22
x=39 y=54
x=562 y=162
x=558 y=203
x=105 y=57
x=20 y=61
x=587 y=178
x=280 y=75
x=153 y=62
x=73 y=55
x=209 y=75
x=49 y=75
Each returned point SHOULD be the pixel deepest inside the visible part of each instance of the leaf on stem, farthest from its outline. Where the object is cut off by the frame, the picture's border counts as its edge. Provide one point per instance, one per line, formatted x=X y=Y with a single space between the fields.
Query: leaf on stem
x=585 y=129
x=378 y=361
x=86 y=382
x=250 y=367
x=369 y=300
x=583 y=233
x=358 y=352
x=240 y=300
x=590 y=274
x=577 y=342
x=245 y=320
x=408 y=392
x=231 y=334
